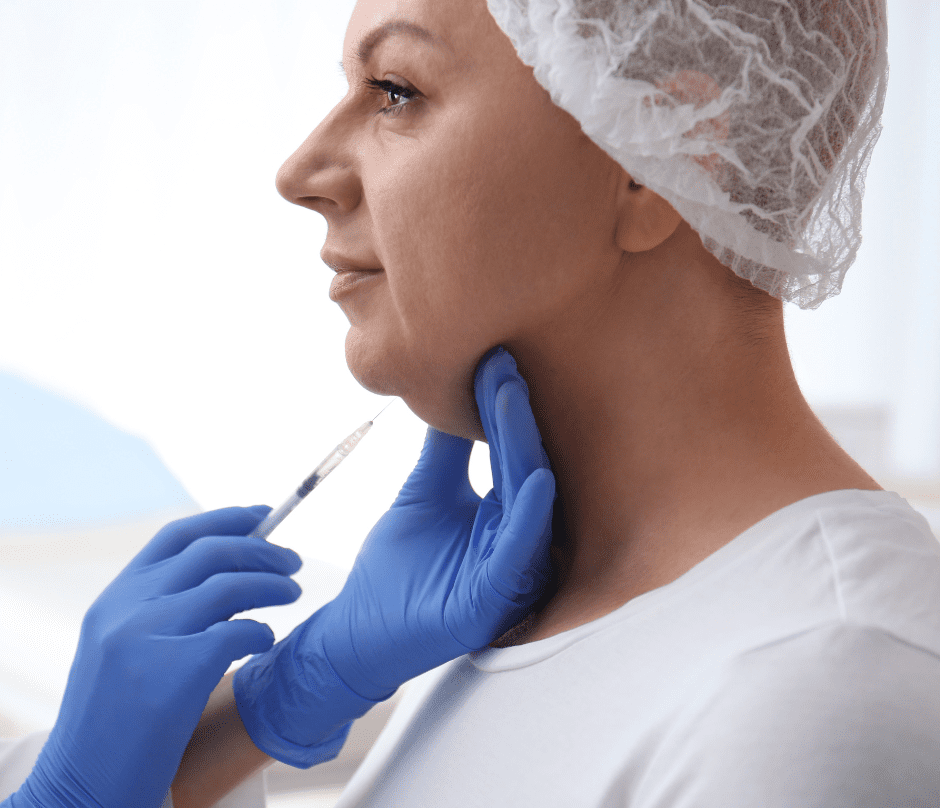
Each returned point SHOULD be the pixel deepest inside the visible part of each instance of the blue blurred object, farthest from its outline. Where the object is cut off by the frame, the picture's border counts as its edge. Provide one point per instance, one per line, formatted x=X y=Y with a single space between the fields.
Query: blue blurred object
x=63 y=466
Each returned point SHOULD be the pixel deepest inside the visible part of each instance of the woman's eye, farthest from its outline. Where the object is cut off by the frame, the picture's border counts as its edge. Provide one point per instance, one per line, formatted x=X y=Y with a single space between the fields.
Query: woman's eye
x=392 y=90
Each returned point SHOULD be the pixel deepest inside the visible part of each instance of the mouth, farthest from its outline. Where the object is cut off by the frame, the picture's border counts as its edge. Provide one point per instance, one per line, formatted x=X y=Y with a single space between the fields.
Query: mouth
x=352 y=280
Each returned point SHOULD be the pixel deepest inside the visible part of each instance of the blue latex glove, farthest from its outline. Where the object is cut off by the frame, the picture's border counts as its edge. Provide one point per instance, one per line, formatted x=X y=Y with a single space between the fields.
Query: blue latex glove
x=442 y=573
x=152 y=648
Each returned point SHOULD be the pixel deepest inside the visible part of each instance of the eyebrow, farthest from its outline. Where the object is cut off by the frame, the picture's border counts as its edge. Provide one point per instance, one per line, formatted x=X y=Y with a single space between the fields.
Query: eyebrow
x=376 y=36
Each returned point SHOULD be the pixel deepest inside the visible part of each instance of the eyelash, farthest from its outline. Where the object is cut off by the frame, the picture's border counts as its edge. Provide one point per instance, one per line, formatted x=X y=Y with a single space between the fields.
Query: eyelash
x=386 y=86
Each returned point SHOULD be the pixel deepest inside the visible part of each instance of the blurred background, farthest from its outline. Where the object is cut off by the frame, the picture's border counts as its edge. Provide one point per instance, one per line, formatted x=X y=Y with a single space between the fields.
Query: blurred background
x=167 y=344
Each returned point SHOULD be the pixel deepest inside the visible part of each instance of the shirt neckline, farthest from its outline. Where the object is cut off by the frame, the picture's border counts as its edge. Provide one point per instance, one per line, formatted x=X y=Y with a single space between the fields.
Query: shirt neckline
x=493 y=660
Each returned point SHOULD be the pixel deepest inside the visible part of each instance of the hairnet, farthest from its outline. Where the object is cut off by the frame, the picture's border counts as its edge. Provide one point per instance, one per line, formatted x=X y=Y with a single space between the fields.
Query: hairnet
x=754 y=119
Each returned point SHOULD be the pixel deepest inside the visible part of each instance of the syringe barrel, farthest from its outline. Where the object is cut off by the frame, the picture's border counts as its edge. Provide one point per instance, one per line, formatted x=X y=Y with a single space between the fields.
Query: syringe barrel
x=339 y=453
x=273 y=519
x=352 y=441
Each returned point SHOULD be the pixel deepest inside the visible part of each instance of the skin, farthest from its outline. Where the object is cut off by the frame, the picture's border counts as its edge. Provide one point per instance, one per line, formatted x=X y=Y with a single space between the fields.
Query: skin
x=665 y=396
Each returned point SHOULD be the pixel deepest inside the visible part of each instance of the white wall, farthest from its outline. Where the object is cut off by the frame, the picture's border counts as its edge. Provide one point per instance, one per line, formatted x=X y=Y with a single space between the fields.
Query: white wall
x=151 y=271
x=877 y=345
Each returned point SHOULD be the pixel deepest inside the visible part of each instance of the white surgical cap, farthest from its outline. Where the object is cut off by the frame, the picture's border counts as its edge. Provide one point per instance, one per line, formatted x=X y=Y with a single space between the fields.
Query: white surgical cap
x=754 y=119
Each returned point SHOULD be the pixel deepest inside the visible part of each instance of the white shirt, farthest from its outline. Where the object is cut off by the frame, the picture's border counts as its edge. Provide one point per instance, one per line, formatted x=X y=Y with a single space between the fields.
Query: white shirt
x=796 y=667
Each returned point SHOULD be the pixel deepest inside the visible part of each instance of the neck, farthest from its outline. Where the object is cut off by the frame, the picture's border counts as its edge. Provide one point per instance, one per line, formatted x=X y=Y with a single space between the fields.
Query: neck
x=665 y=452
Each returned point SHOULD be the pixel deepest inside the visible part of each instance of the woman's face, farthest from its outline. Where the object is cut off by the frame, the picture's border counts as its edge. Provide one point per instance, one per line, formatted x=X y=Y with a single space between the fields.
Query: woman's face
x=491 y=214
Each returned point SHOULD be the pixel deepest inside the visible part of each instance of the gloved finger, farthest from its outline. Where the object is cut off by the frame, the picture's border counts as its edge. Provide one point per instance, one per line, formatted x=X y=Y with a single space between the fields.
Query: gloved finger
x=513 y=437
x=521 y=557
x=442 y=471
x=517 y=436
x=494 y=369
x=233 y=639
x=210 y=555
x=228 y=593
x=175 y=536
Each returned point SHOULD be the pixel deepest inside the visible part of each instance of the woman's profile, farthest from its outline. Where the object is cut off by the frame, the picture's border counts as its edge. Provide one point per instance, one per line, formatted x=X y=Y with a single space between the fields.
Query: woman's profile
x=660 y=380
x=622 y=195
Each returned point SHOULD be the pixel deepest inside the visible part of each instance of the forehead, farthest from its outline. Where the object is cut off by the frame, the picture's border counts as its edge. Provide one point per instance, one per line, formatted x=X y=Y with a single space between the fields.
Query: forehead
x=453 y=27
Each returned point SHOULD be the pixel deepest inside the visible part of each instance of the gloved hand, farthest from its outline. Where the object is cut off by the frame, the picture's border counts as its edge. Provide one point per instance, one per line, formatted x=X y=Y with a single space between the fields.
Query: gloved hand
x=152 y=648
x=442 y=573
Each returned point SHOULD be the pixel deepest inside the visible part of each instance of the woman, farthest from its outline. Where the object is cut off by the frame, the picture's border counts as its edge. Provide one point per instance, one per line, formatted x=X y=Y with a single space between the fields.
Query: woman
x=621 y=194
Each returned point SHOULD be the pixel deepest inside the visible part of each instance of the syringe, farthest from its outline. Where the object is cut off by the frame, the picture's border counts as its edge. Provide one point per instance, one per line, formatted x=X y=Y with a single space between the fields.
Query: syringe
x=333 y=459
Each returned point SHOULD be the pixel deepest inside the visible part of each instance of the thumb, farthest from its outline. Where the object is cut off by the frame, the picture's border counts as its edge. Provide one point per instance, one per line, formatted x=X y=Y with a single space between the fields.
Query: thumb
x=233 y=639
x=441 y=473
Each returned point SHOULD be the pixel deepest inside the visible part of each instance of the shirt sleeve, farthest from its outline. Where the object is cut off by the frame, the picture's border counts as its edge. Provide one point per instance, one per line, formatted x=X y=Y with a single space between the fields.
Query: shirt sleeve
x=840 y=715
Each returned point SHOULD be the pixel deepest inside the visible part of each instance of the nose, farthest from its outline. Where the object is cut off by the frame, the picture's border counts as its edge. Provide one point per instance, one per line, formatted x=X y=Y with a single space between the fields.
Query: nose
x=319 y=175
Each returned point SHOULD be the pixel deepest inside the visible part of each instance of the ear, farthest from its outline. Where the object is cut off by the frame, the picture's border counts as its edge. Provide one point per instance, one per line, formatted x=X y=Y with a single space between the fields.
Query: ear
x=645 y=220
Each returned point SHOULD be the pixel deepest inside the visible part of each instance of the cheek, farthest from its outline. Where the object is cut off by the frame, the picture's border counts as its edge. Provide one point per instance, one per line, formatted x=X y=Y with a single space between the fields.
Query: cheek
x=512 y=209
x=446 y=301
x=479 y=234
x=433 y=229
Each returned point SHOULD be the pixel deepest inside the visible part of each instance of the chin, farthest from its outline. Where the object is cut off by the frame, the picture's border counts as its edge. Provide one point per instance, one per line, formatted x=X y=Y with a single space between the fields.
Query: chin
x=370 y=367
x=447 y=406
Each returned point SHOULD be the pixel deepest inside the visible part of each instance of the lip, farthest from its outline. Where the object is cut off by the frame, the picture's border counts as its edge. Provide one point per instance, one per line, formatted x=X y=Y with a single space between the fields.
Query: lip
x=348 y=281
